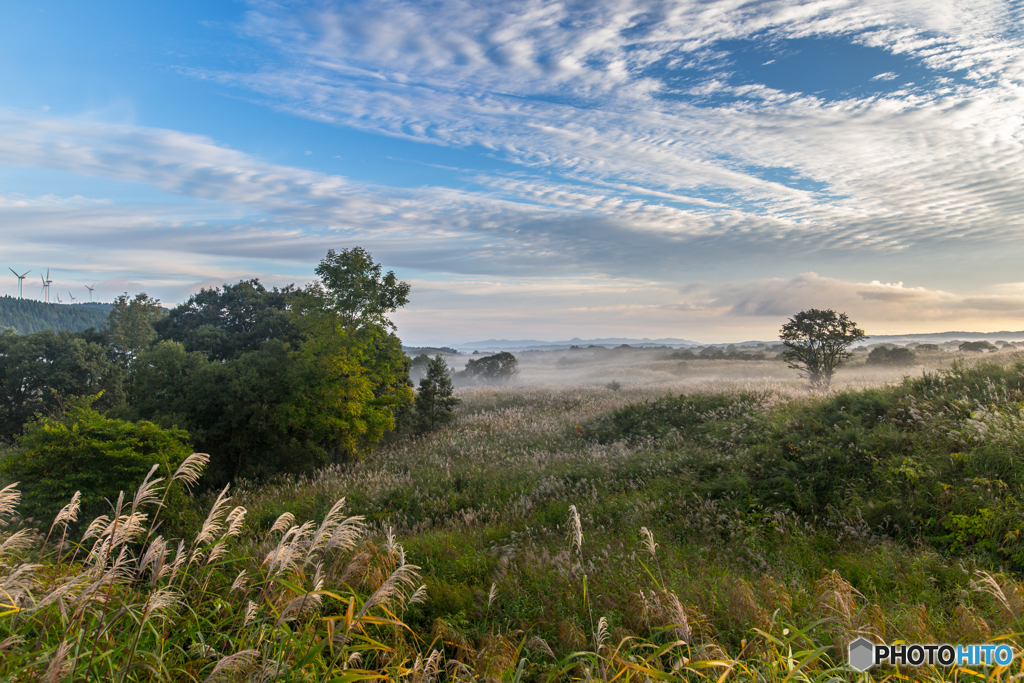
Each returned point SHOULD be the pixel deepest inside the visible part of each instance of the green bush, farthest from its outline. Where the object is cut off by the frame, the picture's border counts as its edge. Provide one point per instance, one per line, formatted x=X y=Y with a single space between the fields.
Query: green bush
x=87 y=452
x=496 y=369
x=895 y=356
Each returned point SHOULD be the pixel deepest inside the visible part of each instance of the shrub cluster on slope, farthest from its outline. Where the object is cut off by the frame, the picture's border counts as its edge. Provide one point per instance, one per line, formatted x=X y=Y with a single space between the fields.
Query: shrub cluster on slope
x=935 y=459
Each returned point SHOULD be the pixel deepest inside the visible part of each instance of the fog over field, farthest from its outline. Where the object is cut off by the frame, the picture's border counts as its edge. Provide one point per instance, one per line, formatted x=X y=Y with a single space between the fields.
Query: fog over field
x=650 y=368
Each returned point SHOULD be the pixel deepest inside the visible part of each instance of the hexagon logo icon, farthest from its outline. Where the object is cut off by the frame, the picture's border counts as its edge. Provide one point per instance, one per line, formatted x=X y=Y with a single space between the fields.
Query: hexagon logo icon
x=862 y=654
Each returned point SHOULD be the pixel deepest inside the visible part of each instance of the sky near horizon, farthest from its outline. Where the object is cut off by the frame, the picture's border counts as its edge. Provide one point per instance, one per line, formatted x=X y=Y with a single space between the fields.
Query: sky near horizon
x=535 y=170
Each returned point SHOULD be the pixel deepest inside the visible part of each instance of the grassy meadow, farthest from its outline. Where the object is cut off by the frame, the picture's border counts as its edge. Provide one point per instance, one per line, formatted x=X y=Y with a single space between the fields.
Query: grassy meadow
x=707 y=520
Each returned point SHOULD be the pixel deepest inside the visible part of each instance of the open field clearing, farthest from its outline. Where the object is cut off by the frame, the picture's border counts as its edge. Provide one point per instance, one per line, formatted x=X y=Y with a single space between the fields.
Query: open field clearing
x=722 y=524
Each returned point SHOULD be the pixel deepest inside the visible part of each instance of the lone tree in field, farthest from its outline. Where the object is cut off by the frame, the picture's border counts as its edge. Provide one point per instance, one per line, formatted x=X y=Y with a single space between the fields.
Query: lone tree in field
x=435 y=401
x=816 y=343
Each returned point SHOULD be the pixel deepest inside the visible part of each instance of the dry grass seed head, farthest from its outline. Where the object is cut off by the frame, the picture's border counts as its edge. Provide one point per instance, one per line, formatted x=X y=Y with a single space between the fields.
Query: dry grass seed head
x=19 y=541
x=420 y=596
x=496 y=657
x=744 y=608
x=179 y=559
x=289 y=549
x=392 y=591
x=11 y=642
x=233 y=665
x=161 y=601
x=96 y=528
x=251 y=608
x=915 y=625
x=346 y=534
x=538 y=644
x=155 y=555
x=68 y=513
x=234 y=521
x=148 y=491
x=323 y=533
x=282 y=524
x=240 y=582
x=570 y=636
x=60 y=663
x=425 y=671
x=10 y=496
x=600 y=635
x=575 y=529
x=1005 y=591
x=970 y=627
x=647 y=538
x=214 y=520
x=191 y=469
x=300 y=605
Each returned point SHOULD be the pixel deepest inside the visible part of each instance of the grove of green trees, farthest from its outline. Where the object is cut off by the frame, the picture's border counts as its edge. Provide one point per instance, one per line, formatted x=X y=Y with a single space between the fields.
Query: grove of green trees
x=265 y=380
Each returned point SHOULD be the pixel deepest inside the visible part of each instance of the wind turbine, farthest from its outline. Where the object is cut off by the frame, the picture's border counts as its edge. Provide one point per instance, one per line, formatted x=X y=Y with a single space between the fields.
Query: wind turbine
x=90 y=290
x=46 y=284
x=58 y=297
x=73 y=299
x=21 y=282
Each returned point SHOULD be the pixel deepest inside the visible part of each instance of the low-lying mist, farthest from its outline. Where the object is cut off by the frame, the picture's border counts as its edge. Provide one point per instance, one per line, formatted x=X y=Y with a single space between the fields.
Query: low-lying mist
x=635 y=368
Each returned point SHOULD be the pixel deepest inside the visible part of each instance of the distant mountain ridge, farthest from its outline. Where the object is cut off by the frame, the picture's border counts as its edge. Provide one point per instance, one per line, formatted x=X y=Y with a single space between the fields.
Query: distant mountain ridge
x=496 y=345
x=489 y=345
x=27 y=315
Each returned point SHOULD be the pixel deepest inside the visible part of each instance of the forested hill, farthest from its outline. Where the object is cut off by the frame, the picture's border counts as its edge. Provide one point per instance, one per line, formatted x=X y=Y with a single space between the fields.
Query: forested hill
x=26 y=315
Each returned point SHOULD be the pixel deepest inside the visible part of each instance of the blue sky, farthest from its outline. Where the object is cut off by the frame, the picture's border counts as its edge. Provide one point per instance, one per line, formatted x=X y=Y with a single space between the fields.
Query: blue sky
x=534 y=169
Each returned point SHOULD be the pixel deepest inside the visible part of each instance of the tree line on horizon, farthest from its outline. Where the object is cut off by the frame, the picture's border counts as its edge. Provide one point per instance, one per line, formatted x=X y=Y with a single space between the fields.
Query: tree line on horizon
x=26 y=316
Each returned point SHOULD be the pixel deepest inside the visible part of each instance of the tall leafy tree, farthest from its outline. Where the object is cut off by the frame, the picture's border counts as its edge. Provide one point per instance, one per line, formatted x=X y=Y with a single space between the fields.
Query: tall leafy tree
x=354 y=288
x=130 y=326
x=357 y=372
x=816 y=343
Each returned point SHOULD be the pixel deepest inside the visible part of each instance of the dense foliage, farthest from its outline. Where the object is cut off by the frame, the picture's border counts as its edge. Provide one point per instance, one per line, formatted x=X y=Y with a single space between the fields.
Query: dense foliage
x=935 y=459
x=85 y=452
x=265 y=380
x=977 y=346
x=41 y=372
x=25 y=316
x=897 y=355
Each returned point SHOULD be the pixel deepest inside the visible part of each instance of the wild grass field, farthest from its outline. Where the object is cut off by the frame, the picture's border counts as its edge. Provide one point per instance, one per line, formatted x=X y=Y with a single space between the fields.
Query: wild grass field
x=707 y=521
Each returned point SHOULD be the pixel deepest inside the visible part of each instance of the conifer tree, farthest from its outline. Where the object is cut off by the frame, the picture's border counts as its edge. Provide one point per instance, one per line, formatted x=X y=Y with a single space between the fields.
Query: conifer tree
x=435 y=400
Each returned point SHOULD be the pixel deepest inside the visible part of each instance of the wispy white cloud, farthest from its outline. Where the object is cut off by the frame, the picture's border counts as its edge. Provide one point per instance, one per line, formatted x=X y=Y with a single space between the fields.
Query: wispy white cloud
x=577 y=93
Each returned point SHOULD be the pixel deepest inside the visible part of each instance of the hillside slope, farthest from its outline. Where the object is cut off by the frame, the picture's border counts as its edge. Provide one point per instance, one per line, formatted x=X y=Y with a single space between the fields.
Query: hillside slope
x=26 y=315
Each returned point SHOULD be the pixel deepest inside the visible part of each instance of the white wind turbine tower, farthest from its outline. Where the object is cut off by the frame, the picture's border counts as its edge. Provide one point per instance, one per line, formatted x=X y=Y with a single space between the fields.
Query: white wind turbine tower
x=46 y=284
x=73 y=299
x=21 y=282
x=90 y=290
x=58 y=297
